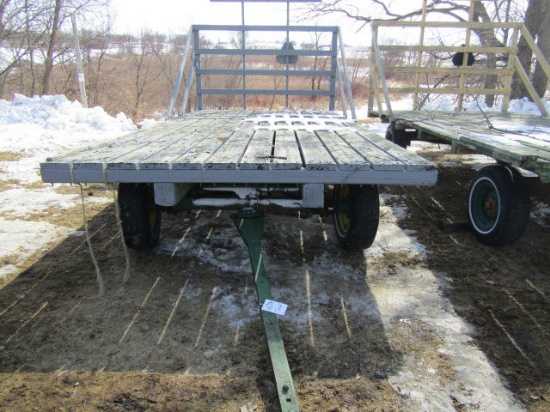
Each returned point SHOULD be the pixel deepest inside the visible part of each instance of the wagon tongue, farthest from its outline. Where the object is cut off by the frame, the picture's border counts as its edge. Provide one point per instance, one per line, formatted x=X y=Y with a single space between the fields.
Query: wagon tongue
x=250 y=225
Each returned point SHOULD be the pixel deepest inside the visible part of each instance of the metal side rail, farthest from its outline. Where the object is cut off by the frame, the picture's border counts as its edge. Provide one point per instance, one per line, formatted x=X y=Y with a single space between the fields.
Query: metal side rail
x=250 y=225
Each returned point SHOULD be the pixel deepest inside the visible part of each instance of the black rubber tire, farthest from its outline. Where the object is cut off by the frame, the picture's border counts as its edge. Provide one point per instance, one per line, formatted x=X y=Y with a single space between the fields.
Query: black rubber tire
x=401 y=138
x=356 y=214
x=498 y=205
x=139 y=215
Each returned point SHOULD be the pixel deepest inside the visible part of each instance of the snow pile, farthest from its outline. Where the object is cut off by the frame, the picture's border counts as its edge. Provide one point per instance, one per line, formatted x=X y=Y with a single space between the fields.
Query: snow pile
x=33 y=129
x=49 y=125
x=42 y=127
x=448 y=104
x=523 y=106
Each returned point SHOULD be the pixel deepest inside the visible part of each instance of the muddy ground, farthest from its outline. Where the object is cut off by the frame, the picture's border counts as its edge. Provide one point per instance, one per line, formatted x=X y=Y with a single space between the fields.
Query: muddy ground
x=452 y=325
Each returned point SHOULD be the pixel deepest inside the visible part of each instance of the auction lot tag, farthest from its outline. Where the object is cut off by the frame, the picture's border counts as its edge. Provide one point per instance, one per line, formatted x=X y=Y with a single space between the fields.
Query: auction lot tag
x=274 y=307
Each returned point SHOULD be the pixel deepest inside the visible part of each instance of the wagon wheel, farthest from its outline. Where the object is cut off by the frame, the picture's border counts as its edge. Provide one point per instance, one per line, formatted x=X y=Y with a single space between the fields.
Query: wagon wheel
x=498 y=205
x=356 y=213
x=399 y=137
x=139 y=215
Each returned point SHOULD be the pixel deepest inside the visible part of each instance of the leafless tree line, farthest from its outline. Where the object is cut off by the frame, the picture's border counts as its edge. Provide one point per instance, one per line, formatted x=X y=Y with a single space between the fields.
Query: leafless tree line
x=126 y=73
x=135 y=73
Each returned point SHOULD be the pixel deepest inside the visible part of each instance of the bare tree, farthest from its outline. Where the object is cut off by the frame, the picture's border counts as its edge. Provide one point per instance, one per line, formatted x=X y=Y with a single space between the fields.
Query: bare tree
x=144 y=71
x=55 y=16
x=500 y=10
x=18 y=26
x=540 y=81
x=96 y=45
x=54 y=29
x=537 y=21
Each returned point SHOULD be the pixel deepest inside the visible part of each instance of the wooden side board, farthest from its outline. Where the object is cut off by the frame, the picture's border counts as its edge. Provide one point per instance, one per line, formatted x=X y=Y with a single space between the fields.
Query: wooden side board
x=246 y=147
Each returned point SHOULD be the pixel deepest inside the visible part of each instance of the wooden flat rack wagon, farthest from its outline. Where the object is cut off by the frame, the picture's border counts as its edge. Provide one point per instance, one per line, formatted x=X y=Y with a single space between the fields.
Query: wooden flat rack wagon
x=249 y=160
x=499 y=199
x=236 y=159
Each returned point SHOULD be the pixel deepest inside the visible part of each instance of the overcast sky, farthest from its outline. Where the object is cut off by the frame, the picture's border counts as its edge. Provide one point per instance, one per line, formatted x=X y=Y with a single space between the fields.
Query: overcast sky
x=175 y=16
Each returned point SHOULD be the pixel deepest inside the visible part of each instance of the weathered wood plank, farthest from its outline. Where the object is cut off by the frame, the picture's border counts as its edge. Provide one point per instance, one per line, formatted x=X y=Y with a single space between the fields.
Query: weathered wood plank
x=159 y=146
x=379 y=159
x=409 y=160
x=511 y=144
x=198 y=154
x=140 y=156
x=345 y=156
x=286 y=153
x=507 y=152
x=231 y=151
x=520 y=140
x=127 y=144
x=259 y=151
x=316 y=156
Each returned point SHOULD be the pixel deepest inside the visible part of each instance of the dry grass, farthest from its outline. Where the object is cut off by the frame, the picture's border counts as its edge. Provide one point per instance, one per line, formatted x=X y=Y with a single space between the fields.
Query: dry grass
x=11 y=156
x=69 y=217
x=8 y=184
x=72 y=216
x=93 y=189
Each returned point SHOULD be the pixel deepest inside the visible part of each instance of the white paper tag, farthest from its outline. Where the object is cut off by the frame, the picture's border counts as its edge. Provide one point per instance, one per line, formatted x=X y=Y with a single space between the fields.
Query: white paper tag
x=274 y=307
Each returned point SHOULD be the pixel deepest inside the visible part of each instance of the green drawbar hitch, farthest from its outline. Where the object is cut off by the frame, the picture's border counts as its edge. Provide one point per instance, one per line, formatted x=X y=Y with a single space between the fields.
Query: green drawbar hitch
x=250 y=225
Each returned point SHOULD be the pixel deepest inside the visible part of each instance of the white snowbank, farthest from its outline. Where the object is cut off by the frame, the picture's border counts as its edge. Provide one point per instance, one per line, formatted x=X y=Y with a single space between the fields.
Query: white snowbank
x=52 y=124
x=37 y=128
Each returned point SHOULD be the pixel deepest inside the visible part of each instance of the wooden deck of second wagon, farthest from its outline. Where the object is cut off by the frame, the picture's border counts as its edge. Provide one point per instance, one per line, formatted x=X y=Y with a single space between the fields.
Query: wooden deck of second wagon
x=517 y=139
x=246 y=147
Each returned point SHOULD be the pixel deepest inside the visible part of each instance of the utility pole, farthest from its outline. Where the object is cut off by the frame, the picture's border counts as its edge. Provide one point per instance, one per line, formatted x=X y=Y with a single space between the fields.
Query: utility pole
x=80 y=70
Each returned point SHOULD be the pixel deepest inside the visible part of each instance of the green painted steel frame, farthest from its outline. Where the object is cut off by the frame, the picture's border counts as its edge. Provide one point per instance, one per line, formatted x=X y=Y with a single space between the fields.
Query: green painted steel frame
x=250 y=225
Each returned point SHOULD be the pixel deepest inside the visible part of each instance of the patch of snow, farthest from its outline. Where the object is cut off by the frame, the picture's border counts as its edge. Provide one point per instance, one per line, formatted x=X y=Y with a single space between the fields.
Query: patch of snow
x=540 y=213
x=38 y=128
x=23 y=238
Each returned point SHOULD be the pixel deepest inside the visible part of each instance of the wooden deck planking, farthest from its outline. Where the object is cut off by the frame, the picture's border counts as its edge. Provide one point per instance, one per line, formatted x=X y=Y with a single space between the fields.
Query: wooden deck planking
x=128 y=155
x=316 y=156
x=345 y=156
x=164 y=149
x=204 y=148
x=258 y=153
x=409 y=160
x=156 y=146
x=197 y=134
x=233 y=147
x=227 y=156
x=286 y=152
x=124 y=145
x=379 y=159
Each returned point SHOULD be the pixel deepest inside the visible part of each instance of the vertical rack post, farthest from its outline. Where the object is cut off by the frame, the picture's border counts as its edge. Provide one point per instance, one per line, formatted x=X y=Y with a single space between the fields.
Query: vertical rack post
x=419 y=57
x=462 y=79
x=510 y=66
x=243 y=47
x=179 y=78
x=381 y=71
x=287 y=57
x=196 y=68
